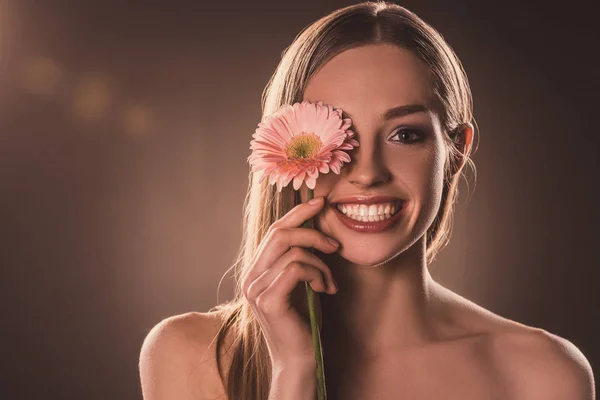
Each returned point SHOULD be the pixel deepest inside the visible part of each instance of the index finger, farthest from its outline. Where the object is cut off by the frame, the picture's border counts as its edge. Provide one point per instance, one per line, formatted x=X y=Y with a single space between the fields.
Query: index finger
x=292 y=219
x=300 y=213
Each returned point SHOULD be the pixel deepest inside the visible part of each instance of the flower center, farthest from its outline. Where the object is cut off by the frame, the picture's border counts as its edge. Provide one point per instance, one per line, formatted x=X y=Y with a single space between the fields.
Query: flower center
x=306 y=145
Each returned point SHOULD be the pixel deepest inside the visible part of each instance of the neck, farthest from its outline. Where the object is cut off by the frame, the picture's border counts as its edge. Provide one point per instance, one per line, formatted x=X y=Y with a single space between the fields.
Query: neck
x=381 y=308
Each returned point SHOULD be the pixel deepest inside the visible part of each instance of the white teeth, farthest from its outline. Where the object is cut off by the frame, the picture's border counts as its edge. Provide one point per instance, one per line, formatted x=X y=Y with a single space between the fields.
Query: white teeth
x=370 y=213
x=363 y=210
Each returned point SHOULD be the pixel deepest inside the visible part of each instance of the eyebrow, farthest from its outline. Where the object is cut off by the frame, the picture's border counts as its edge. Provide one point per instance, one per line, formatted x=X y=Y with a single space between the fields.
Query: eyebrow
x=400 y=111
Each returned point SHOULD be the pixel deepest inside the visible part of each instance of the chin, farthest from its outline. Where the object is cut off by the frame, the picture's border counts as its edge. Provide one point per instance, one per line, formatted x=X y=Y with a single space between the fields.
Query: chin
x=366 y=258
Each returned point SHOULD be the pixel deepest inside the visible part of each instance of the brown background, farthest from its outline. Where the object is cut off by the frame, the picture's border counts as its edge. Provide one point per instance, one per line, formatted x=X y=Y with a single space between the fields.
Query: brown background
x=124 y=130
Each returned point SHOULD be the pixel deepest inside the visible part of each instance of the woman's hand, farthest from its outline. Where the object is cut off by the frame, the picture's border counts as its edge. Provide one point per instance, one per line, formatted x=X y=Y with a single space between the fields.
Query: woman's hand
x=279 y=266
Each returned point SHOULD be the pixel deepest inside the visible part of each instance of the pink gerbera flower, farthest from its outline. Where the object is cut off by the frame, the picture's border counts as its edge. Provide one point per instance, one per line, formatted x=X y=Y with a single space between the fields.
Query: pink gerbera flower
x=299 y=141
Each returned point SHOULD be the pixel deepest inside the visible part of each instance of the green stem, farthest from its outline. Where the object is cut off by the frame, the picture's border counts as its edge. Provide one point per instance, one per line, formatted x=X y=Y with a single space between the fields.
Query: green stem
x=310 y=294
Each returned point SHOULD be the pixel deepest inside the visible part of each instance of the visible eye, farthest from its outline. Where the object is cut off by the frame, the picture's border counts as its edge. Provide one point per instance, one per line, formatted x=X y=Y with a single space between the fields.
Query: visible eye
x=408 y=136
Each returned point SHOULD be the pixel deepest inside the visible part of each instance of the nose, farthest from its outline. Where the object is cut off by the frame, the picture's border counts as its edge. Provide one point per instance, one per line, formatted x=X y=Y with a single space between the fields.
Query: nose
x=367 y=165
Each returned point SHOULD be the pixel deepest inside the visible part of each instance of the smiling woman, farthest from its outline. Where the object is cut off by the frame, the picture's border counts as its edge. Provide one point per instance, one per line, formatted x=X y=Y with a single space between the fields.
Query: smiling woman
x=387 y=91
x=389 y=329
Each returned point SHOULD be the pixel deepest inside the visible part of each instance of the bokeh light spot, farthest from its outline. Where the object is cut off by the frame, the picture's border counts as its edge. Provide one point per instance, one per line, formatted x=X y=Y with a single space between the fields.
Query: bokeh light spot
x=91 y=98
x=39 y=76
x=138 y=120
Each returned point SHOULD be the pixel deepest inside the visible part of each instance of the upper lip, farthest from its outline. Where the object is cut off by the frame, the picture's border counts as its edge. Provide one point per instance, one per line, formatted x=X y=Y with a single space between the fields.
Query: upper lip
x=368 y=200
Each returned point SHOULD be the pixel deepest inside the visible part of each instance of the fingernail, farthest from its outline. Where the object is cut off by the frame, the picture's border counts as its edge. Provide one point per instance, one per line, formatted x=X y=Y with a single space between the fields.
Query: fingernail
x=335 y=286
x=332 y=241
x=316 y=200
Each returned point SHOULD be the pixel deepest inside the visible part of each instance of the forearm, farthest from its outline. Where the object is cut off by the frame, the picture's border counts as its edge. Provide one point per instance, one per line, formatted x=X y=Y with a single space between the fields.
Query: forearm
x=294 y=383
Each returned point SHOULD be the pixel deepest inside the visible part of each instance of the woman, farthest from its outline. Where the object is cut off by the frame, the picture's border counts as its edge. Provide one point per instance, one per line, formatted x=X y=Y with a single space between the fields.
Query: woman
x=390 y=331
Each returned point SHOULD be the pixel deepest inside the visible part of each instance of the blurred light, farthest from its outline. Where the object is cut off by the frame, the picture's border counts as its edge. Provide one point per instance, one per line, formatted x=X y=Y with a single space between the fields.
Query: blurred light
x=138 y=120
x=39 y=76
x=91 y=98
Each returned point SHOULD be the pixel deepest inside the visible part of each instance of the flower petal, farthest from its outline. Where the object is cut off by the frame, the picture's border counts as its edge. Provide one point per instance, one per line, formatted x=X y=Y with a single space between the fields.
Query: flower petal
x=340 y=155
x=335 y=166
x=274 y=134
x=300 y=178
x=287 y=180
x=347 y=123
x=324 y=168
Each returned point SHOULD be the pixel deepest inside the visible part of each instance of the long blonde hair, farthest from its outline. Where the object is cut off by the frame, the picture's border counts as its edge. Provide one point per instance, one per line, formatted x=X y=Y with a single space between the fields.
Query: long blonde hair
x=249 y=374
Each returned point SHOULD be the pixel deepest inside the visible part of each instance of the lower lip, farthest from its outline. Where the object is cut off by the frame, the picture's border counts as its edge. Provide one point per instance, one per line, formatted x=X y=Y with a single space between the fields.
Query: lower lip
x=369 y=227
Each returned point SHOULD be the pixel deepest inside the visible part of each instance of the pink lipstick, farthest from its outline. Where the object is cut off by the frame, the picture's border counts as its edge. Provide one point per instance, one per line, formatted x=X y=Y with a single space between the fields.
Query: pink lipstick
x=370 y=226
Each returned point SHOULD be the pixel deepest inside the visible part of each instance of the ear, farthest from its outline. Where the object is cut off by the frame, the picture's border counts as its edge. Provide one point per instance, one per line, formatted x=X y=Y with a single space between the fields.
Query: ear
x=463 y=141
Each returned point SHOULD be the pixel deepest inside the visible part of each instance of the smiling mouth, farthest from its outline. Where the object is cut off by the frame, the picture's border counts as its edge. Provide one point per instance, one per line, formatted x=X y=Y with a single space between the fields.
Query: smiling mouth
x=369 y=212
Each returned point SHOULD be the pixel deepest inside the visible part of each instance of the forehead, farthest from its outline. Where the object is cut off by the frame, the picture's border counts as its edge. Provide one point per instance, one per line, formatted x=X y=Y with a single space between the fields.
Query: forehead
x=372 y=79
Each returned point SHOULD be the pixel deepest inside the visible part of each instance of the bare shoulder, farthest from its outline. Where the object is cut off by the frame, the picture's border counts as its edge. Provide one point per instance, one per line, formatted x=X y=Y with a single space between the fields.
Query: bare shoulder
x=536 y=364
x=178 y=358
x=530 y=363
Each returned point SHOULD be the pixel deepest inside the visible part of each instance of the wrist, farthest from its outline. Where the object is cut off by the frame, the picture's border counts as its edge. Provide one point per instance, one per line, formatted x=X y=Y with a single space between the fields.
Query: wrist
x=294 y=381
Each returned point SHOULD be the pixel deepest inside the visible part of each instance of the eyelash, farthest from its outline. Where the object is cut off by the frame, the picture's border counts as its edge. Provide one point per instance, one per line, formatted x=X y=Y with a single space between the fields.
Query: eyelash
x=419 y=134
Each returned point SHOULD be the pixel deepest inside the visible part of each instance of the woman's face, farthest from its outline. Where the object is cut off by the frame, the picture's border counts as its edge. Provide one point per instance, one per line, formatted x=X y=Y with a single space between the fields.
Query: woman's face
x=401 y=156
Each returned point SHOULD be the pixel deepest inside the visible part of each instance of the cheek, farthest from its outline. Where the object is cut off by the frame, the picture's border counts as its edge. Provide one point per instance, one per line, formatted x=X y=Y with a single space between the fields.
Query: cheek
x=325 y=183
x=420 y=172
